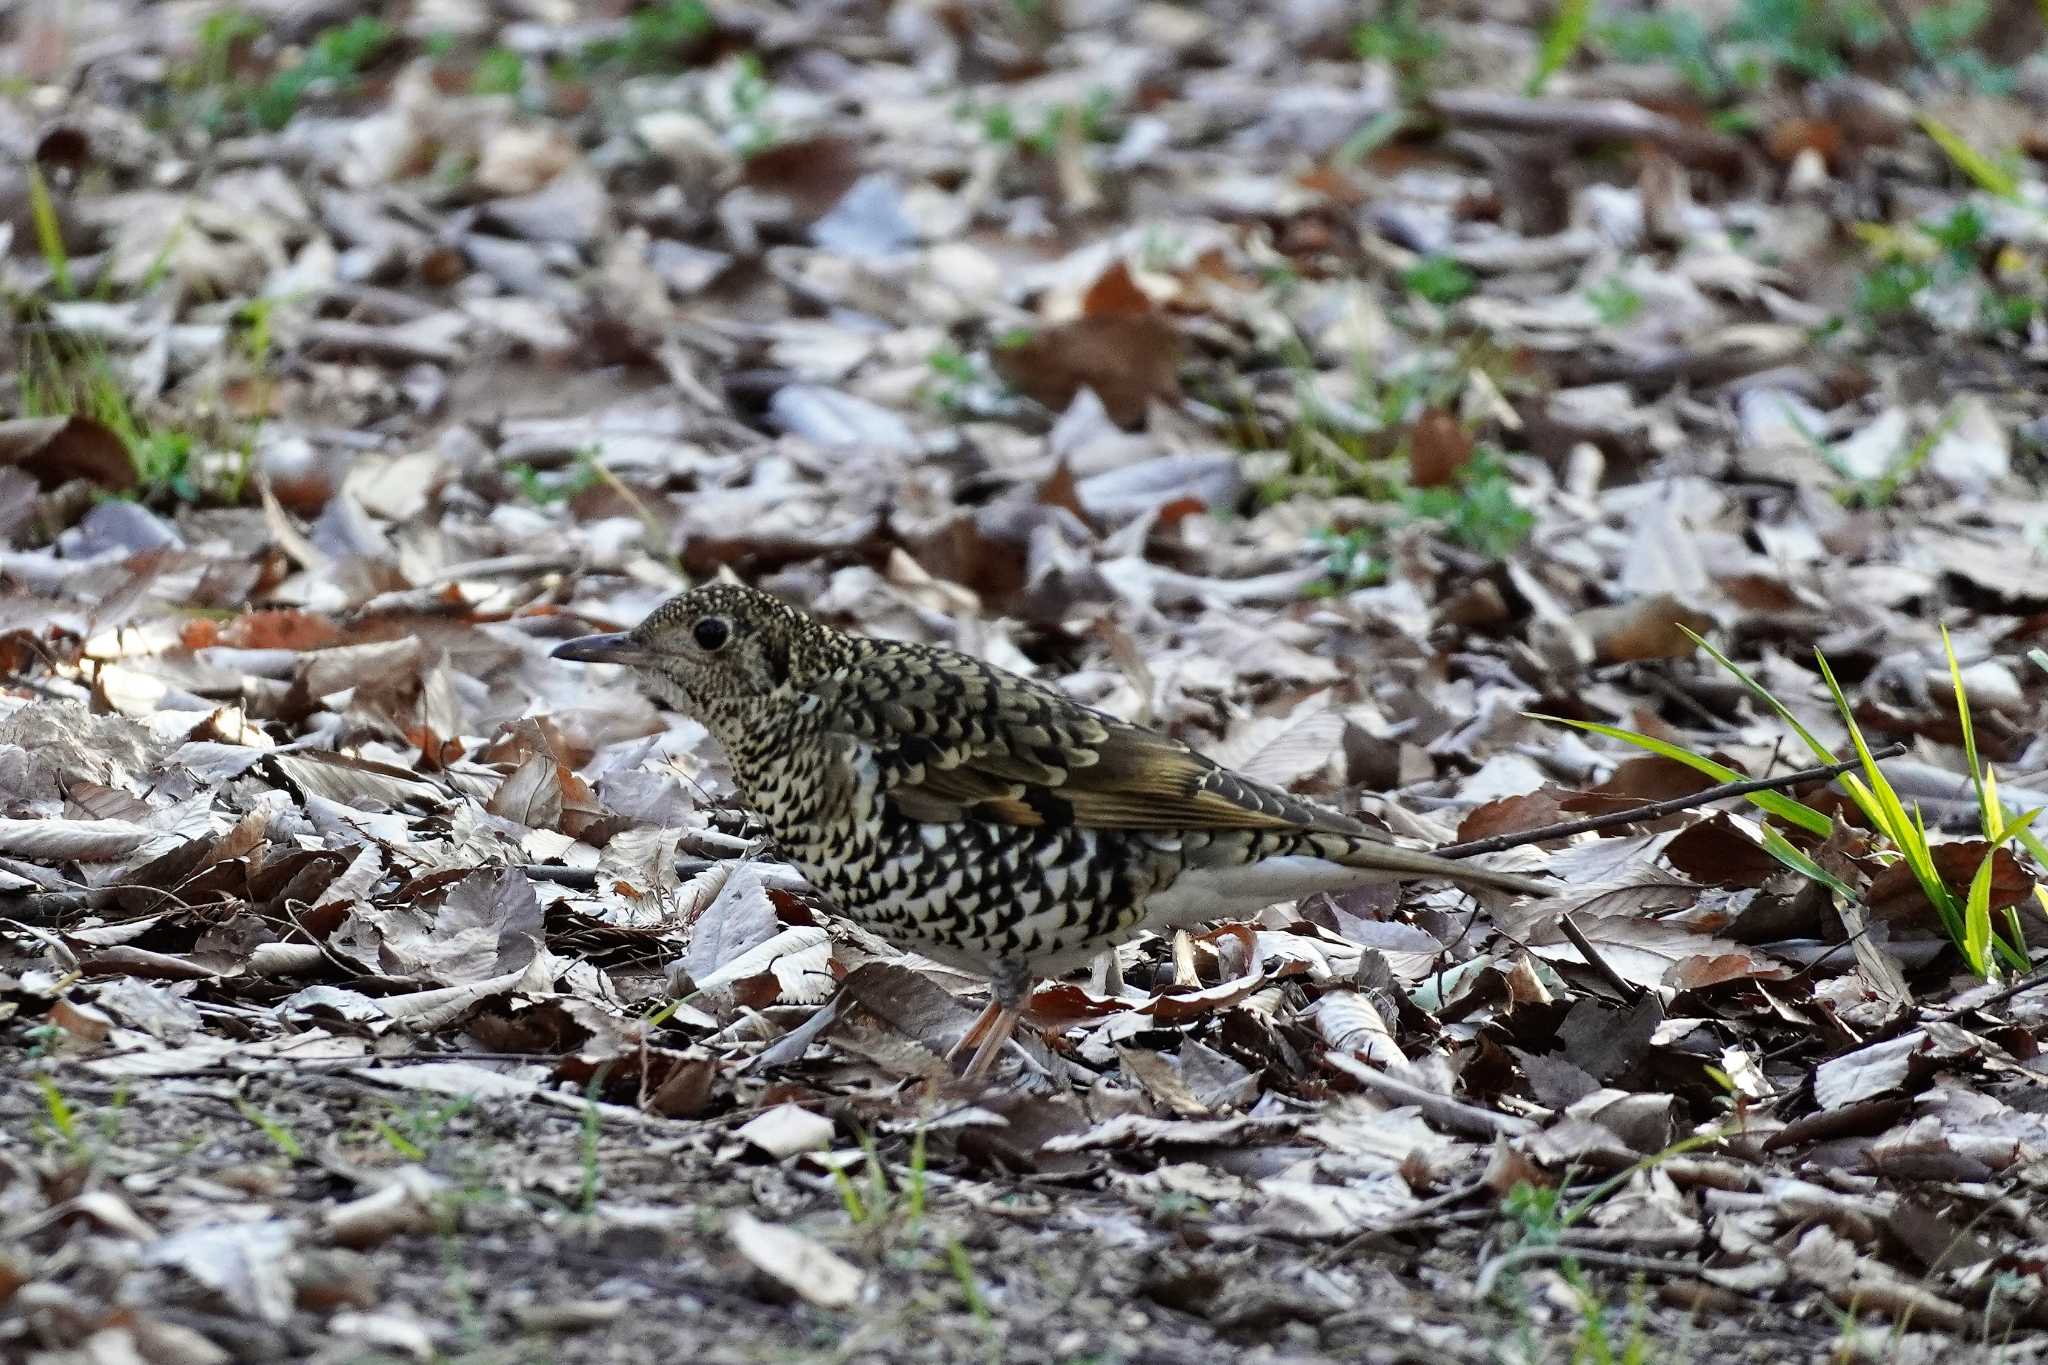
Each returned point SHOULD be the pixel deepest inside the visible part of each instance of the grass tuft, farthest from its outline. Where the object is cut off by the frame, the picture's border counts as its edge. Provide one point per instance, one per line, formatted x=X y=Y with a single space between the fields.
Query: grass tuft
x=1966 y=921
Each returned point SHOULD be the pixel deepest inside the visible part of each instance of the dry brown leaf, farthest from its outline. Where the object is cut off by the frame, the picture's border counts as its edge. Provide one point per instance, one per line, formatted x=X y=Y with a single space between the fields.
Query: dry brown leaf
x=57 y=450
x=1128 y=360
x=1895 y=895
x=1438 y=447
x=1649 y=628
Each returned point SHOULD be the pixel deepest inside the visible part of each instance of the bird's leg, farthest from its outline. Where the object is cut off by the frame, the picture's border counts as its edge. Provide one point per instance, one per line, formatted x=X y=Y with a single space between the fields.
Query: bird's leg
x=1009 y=986
x=973 y=1035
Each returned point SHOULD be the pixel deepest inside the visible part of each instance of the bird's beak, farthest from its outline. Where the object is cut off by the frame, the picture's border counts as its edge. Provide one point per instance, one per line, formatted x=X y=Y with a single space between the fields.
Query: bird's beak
x=602 y=649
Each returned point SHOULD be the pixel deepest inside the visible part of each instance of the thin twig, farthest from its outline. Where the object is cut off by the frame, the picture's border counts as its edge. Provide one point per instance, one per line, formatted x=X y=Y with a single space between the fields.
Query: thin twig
x=1423 y=1215
x=1608 y=120
x=40 y=908
x=585 y=878
x=1629 y=989
x=1550 y=1251
x=1469 y=1118
x=1657 y=809
x=2035 y=978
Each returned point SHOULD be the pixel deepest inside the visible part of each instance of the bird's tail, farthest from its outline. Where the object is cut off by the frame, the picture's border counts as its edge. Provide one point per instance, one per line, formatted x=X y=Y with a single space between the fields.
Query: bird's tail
x=1368 y=854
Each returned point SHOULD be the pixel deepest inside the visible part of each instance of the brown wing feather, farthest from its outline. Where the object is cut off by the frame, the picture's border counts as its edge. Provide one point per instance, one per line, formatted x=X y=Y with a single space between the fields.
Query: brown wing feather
x=1142 y=780
x=945 y=794
x=959 y=739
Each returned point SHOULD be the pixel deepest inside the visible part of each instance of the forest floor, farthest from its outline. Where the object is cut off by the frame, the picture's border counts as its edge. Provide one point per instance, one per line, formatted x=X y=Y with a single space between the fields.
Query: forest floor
x=1473 y=417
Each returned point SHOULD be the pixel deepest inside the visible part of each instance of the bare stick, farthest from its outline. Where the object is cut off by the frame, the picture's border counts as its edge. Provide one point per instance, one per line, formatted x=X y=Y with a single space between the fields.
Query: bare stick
x=1629 y=989
x=2036 y=978
x=1469 y=1118
x=1530 y=1253
x=585 y=878
x=1657 y=809
x=1586 y=120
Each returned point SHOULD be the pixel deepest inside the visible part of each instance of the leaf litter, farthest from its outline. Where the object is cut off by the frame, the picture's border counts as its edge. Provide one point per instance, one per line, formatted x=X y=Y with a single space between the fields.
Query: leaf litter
x=1324 y=387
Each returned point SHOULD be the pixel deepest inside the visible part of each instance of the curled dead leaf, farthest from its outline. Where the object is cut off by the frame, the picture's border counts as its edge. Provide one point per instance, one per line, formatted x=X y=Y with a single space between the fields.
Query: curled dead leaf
x=57 y=450
x=1127 y=359
x=1648 y=628
x=1895 y=893
x=1438 y=447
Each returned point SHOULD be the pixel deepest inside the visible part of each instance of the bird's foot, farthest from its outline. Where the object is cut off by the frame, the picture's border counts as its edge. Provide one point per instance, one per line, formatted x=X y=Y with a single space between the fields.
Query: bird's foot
x=1009 y=989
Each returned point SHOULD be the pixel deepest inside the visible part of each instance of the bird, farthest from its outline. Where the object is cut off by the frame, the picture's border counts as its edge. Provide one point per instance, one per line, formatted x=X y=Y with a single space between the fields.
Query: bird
x=979 y=818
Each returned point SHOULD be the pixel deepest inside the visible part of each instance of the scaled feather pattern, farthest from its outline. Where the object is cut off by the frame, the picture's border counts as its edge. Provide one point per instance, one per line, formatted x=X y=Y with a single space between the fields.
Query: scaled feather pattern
x=976 y=816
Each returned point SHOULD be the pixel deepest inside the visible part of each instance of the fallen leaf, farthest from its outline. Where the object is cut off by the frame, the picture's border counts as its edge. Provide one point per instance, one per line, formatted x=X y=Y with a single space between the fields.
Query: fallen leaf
x=786 y=1130
x=57 y=450
x=1128 y=360
x=818 y=1276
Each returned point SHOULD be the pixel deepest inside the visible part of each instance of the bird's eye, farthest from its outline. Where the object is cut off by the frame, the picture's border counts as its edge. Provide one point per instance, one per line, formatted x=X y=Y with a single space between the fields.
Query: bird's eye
x=711 y=633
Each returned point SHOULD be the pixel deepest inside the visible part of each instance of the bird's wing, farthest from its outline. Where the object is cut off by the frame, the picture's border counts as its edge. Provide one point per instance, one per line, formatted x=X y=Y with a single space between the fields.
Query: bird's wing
x=954 y=738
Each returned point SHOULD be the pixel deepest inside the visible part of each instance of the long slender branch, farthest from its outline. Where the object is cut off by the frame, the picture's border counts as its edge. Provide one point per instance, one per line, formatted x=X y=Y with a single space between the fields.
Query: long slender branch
x=584 y=878
x=51 y=907
x=1655 y=809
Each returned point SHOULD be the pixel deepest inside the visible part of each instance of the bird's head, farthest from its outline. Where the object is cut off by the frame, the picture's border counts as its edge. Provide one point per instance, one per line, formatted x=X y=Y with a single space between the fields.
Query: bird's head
x=717 y=651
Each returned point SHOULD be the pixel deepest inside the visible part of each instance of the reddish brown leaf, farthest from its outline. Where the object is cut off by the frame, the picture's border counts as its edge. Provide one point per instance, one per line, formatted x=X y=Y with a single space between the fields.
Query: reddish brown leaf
x=1063 y=1004
x=686 y=1090
x=57 y=450
x=1895 y=894
x=1648 y=628
x=1716 y=853
x=1789 y=137
x=1759 y=592
x=813 y=172
x=83 y=1024
x=1861 y=1117
x=287 y=629
x=1697 y=973
x=1060 y=490
x=1438 y=447
x=1115 y=294
x=1514 y=814
x=1333 y=184
x=1127 y=360
x=1179 y=509
x=1647 y=778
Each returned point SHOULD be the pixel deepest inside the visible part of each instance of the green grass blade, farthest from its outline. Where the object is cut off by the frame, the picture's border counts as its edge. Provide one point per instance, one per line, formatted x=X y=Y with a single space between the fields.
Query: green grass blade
x=399 y=1142
x=2032 y=843
x=1560 y=40
x=1976 y=944
x=1780 y=848
x=1378 y=131
x=1821 y=752
x=1987 y=808
x=2018 y=826
x=57 y=1109
x=2013 y=952
x=279 y=1135
x=42 y=212
x=970 y=1287
x=1875 y=792
x=917 y=1173
x=1777 y=803
x=1983 y=172
x=1920 y=856
x=849 y=1197
x=1882 y=803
